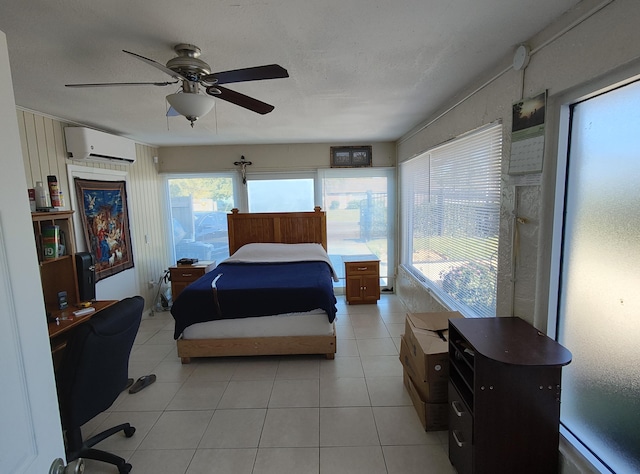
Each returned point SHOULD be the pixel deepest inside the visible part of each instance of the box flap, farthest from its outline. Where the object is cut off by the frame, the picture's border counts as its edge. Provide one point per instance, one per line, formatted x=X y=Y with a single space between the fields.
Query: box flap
x=430 y=343
x=433 y=321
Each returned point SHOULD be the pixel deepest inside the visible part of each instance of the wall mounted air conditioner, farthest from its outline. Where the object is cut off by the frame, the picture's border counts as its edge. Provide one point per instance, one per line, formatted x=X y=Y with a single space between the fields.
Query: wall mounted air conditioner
x=85 y=144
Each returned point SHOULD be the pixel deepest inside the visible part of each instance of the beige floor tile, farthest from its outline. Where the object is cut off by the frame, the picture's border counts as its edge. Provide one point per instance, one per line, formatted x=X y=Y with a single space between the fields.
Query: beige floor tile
x=341 y=367
x=214 y=368
x=394 y=318
x=173 y=371
x=295 y=393
x=299 y=367
x=198 y=395
x=374 y=331
x=151 y=352
x=287 y=460
x=345 y=332
x=401 y=426
x=291 y=428
x=376 y=347
x=382 y=366
x=366 y=320
x=223 y=461
x=352 y=460
x=352 y=426
x=177 y=430
x=344 y=392
x=246 y=394
x=431 y=459
x=395 y=329
x=234 y=429
x=256 y=368
x=347 y=347
x=161 y=461
x=387 y=391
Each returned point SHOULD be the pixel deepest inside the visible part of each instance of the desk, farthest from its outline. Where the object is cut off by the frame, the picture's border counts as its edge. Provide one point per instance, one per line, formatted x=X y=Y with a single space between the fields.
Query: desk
x=58 y=331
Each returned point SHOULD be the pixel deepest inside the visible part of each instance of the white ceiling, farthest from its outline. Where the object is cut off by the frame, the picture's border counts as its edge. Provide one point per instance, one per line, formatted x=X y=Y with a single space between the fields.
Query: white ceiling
x=360 y=70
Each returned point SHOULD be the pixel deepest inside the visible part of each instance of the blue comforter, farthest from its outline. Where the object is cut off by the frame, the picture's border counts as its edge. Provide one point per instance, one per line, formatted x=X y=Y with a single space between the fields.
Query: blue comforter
x=244 y=290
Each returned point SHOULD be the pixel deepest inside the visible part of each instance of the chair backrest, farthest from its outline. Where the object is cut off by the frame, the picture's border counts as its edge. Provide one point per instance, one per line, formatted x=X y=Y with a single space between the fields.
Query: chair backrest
x=95 y=364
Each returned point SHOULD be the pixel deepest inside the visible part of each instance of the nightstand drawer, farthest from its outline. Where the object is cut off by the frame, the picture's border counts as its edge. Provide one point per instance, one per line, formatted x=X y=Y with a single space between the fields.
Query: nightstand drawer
x=188 y=273
x=362 y=268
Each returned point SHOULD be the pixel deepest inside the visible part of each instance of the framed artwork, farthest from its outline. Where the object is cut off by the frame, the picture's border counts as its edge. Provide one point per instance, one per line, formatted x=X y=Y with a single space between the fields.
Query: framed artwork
x=350 y=156
x=102 y=206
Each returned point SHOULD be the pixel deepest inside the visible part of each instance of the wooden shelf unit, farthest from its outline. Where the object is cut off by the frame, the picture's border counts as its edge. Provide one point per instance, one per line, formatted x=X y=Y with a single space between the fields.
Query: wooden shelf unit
x=58 y=274
x=362 y=280
x=504 y=396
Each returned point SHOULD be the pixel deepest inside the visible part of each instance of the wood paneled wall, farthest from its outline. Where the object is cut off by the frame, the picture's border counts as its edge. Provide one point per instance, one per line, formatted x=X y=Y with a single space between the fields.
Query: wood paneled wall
x=44 y=153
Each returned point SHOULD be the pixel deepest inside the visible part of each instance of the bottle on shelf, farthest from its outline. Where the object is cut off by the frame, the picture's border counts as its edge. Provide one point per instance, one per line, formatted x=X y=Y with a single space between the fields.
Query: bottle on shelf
x=54 y=191
x=41 y=195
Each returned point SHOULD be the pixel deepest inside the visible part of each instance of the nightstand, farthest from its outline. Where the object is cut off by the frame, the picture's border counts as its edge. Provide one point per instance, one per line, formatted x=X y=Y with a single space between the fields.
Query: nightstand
x=183 y=275
x=362 y=279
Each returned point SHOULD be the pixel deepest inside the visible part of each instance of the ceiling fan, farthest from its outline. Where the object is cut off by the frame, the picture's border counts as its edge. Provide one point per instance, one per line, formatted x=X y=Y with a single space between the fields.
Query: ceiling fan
x=196 y=75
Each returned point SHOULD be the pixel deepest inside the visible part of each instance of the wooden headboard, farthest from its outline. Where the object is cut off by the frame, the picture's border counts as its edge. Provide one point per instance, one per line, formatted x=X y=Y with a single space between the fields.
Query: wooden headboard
x=276 y=227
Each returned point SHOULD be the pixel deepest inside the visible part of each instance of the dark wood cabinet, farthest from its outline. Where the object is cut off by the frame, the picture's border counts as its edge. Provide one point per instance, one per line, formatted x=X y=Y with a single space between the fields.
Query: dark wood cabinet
x=504 y=396
x=362 y=280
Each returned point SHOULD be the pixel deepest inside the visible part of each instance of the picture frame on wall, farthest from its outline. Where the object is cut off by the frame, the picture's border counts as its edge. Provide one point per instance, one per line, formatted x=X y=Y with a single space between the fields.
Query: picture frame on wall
x=102 y=206
x=351 y=156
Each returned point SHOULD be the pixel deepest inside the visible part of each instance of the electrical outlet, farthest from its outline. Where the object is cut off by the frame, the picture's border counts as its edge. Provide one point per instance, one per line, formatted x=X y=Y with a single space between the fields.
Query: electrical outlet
x=151 y=284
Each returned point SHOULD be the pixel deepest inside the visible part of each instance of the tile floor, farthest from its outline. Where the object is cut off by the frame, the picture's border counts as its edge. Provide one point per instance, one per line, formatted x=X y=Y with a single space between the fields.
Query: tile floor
x=275 y=415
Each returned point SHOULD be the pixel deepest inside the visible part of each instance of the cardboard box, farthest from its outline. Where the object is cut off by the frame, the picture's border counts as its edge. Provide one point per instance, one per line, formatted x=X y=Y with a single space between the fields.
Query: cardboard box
x=426 y=338
x=433 y=416
x=429 y=391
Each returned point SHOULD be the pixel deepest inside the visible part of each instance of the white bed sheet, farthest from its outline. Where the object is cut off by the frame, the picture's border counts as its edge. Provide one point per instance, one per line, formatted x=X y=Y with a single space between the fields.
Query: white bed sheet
x=312 y=323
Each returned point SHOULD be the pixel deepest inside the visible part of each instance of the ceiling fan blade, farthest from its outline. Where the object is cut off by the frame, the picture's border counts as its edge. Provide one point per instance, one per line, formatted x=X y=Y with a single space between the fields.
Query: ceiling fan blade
x=157 y=65
x=242 y=100
x=114 y=84
x=258 y=73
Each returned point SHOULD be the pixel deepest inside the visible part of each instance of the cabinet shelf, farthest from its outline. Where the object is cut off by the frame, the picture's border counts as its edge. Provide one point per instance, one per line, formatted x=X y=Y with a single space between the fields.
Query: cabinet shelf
x=57 y=274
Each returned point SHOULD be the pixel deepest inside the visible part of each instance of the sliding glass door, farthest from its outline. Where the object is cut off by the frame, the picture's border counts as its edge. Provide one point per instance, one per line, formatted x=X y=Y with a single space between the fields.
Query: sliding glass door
x=360 y=219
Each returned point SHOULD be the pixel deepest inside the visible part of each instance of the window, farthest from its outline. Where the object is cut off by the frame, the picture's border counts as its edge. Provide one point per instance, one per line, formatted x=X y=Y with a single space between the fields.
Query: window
x=597 y=307
x=450 y=203
x=199 y=207
x=282 y=194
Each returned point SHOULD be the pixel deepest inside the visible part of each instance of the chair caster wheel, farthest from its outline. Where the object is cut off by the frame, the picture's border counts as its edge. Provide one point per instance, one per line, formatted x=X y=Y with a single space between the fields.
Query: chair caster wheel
x=125 y=468
x=128 y=432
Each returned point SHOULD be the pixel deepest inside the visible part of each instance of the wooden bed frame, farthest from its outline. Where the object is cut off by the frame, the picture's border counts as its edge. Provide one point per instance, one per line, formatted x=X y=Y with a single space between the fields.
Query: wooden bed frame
x=272 y=227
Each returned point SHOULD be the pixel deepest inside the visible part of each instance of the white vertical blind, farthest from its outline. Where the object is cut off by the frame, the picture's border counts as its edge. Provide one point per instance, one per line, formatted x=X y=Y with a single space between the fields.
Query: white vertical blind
x=451 y=213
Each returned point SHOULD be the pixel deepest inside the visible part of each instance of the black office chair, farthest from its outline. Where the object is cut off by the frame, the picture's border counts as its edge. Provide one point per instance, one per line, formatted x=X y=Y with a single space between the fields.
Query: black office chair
x=93 y=372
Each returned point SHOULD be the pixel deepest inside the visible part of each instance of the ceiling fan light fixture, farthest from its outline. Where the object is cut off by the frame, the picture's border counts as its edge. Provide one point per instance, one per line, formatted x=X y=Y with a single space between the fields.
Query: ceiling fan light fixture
x=192 y=106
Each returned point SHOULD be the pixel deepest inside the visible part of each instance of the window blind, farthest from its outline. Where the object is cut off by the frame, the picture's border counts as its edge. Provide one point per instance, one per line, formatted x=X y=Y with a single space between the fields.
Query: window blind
x=450 y=200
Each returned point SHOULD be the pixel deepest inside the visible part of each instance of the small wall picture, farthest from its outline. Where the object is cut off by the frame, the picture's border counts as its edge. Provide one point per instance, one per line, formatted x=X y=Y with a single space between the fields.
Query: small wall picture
x=350 y=156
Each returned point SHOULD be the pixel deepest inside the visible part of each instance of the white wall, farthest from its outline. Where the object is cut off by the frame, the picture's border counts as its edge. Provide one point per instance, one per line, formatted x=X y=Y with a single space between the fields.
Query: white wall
x=44 y=153
x=602 y=36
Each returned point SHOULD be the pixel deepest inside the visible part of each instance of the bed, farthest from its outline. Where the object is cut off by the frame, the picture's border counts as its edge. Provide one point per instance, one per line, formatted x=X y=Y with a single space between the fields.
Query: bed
x=215 y=317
